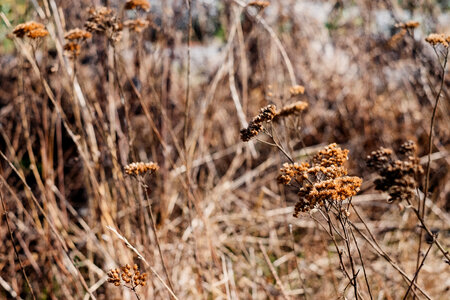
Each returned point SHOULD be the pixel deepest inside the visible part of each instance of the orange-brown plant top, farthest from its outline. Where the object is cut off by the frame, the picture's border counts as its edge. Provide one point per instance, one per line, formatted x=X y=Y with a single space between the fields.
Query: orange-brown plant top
x=141 y=168
x=409 y=24
x=259 y=4
x=137 y=25
x=137 y=4
x=297 y=90
x=324 y=181
x=291 y=109
x=77 y=34
x=266 y=114
x=127 y=275
x=438 y=38
x=33 y=30
x=398 y=177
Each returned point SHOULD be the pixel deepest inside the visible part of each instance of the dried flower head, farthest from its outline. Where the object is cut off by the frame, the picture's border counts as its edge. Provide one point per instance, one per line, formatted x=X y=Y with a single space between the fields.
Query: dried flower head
x=409 y=24
x=104 y=20
x=398 y=177
x=31 y=29
x=435 y=39
x=72 y=49
x=266 y=114
x=324 y=181
x=74 y=39
x=297 y=90
x=291 y=109
x=331 y=155
x=77 y=34
x=129 y=277
x=141 y=168
x=137 y=25
x=137 y=4
x=259 y=4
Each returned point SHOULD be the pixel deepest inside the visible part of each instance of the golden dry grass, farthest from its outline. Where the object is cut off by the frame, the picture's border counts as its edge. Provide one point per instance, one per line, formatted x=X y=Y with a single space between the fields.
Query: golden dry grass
x=208 y=219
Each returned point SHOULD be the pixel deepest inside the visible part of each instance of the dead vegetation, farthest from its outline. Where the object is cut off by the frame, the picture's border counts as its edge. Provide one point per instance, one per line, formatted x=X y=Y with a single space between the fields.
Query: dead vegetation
x=132 y=151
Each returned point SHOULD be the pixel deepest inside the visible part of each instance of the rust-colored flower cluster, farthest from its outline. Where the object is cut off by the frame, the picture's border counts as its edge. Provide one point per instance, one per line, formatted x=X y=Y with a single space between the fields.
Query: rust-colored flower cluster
x=259 y=4
x=291 y=109
x=104 y=20
x=297 y=90
x=435 y=39
x=32 y=30
x=141 y=168
x=136 y=25
x=137 y=4
x=409 y=24
x=399 y=178
x=325 y=180
x=256 y=125
x=74 y=39
x=131 y=277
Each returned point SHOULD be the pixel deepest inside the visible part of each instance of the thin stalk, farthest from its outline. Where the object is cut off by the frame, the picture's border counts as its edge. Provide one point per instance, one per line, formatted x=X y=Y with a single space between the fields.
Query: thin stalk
x=11 y=237
x=149 y=205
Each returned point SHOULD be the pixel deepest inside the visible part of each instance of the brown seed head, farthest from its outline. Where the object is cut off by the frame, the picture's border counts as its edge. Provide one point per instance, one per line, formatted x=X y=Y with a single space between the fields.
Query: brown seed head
x=409 y=24
x=137 y=25
x=292 y=109
x=141 y=168
x=77 y=34
x=259 y=4
x=436 y=39
x=331 y=155
x=31 y=29
x=137 y=4
x=266 y=114
x=297 y=90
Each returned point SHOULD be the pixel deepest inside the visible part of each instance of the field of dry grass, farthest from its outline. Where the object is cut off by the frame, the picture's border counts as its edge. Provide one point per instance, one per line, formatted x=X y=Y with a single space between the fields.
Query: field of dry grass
x=224 y=149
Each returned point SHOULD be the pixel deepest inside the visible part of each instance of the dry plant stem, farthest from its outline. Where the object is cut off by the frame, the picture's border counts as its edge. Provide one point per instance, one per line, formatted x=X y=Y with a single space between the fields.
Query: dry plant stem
x=277 y=41
x=342 y=220
x=417 y=272
x=52 y=226
x=125 y=105
x=187 y=185
x=272 y=270
x=188 y=75
x=149 y=205
x=362 y=263
x=139 y=255
x=422 y=207
x=333 y=238
x=11 y=237
x=305 y=295
x=374 y=244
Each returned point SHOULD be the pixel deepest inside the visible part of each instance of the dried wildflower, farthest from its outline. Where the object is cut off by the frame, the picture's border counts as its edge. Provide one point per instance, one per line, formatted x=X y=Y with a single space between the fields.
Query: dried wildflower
x=31 y=29
x=259 y=4
x=297 y=90
x=397 y=37
x=77 y=34
x=331 y=155
x=435 y=39
x=131 y=278
x=104 y=20
x=141 y=168
x=72 y=49
x=266 y=114
x=137 y=4
x=292 y=109
x=398 y=177
x=409 y=24
x=324 y=181
x=137 y=25
x=75 y=37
